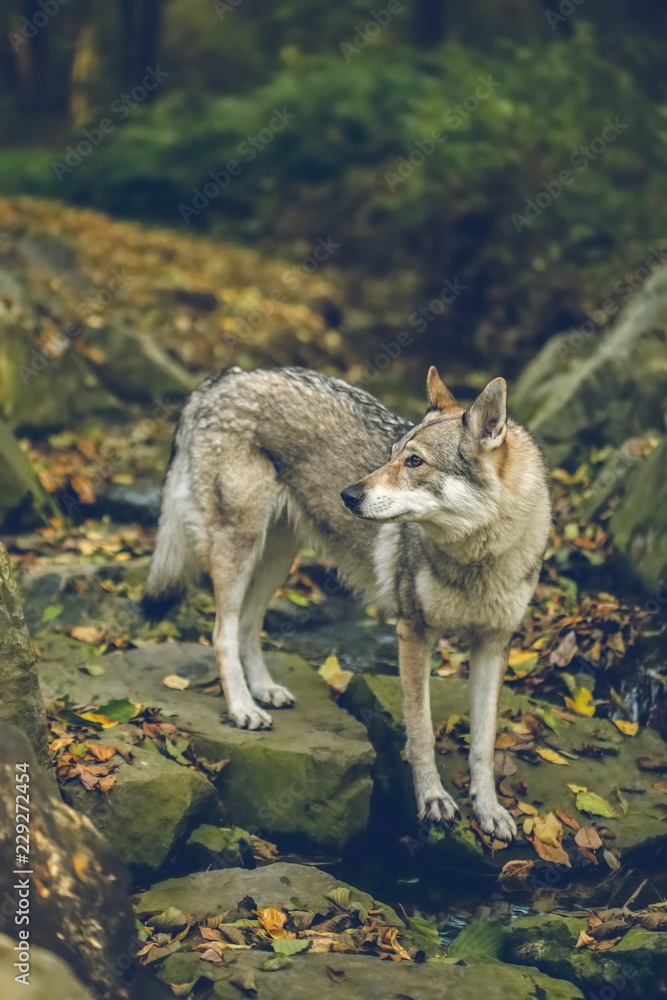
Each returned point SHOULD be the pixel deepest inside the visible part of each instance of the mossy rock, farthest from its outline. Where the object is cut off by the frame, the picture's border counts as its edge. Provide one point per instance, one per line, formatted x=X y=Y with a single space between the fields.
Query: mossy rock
x=375 y=699
x=639 y=524
x=587 y=390
x=148 y=812
x=635 y=968
x=368 y=978
x=305 y=783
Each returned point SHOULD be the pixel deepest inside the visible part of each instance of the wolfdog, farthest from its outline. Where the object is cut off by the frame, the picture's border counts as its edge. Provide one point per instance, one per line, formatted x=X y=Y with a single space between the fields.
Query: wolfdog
x=444 y=528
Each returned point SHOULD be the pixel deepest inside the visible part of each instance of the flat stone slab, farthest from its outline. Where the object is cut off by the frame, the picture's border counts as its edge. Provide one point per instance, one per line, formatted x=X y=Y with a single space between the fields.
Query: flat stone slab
x=376 y=700
x=273 y=885
x=307 y=781
x=368 y=978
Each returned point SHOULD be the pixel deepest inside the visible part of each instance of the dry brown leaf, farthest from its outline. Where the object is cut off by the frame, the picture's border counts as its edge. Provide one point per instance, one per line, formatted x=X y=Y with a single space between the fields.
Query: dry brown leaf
x=565 y=650
x=567 y=819
x=588 y=837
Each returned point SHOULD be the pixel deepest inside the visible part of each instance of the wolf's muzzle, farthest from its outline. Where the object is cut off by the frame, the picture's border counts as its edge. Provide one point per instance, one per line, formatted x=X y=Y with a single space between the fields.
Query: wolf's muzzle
x=352 y=496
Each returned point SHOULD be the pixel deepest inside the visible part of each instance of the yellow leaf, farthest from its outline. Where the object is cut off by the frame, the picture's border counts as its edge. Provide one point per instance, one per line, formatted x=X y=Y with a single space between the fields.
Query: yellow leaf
x=551 y=756
x=272 y=920
x=522 y=661
x=627 y=728
x=86 y=634
x=549 y=829
x=331 y=672
x=175 y=682
x=100 y=719
x=577 y=788
x=581 y=701
x=527 y=809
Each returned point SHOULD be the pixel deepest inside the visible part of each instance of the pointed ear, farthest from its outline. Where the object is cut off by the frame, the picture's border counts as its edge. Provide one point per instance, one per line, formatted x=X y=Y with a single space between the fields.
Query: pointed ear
x=487 y=417
x=439 y=397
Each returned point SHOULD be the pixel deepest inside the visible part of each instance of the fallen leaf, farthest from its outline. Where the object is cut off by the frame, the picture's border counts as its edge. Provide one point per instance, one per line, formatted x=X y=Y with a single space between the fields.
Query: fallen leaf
x=549 y=829
x=516 y=869
x=272 y=920
x=567 y=819
x=593 y=804
x=176 y=682
x=581 y=701
x=503 y=764
x=587 y=836
x=88 y=634
x=660 y=786
x=627 y=728
x=551 y=756
x=562 y=655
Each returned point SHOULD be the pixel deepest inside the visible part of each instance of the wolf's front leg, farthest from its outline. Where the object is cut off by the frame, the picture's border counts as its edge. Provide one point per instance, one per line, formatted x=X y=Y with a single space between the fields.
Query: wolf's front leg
x=434 y=804
x=488 y=660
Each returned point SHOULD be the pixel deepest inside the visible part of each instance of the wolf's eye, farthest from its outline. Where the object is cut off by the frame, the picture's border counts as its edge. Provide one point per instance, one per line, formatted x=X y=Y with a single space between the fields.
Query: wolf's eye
x=414 y=461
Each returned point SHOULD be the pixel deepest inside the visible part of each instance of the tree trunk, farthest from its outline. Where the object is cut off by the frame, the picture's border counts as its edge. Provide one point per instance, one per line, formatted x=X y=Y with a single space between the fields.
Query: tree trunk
x=20 y=700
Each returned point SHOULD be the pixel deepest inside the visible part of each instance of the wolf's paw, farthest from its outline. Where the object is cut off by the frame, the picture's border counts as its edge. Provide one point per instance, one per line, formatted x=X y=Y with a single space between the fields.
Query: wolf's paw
x=435 y=805
x=494 y=820
x=273 y=694
x=250 y=717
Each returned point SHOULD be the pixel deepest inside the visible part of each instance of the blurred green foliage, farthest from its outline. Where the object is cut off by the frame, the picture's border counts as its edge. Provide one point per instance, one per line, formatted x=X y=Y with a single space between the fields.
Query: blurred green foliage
x=355 y=161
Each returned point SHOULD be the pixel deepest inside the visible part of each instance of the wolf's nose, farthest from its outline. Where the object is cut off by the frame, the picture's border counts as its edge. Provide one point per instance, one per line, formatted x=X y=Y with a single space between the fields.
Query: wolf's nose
x=352 y=495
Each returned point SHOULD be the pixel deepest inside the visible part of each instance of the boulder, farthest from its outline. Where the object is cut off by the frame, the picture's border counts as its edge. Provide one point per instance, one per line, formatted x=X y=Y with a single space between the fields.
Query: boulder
x=150 y=809
x=376 y=701
x=585 y=390
x=639 y=523
x=50 y=977
x=77 y=886
x=132 y=366
x=273 y=885
x=22 y=496
x=635 y=968
x=212 y=847
x=360 y=977
x=356 y=977
x=306 y=782
x=20 y=698
x=48 y=387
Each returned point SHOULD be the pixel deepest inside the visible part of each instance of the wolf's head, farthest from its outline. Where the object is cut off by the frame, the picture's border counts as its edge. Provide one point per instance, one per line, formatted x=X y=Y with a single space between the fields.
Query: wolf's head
x=446 y=472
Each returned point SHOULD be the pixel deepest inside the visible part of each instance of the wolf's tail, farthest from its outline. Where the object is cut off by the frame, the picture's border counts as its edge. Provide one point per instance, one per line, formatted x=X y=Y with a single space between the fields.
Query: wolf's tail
x=174 y=563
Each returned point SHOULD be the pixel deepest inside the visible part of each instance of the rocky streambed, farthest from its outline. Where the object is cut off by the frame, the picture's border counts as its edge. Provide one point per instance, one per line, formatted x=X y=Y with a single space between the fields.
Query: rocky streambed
x=146 y=751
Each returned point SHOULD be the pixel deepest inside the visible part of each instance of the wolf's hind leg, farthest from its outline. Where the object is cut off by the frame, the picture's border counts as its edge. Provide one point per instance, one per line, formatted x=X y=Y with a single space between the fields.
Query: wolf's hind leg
x=271 y=568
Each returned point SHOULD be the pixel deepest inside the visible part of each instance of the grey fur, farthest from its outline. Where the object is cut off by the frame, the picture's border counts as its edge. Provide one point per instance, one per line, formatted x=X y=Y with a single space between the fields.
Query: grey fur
x=452 y=517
